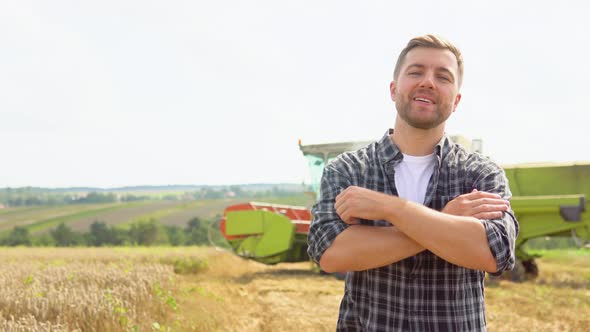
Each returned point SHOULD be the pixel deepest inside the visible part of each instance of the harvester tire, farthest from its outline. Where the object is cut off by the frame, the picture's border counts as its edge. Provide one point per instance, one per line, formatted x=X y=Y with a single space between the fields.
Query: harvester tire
x=518 y=273
x=531 y=268
x=579 y=241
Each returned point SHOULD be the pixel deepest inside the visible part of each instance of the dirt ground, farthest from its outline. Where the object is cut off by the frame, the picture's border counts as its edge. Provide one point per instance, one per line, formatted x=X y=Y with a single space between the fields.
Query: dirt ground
x=240 y=295
x=233 y=294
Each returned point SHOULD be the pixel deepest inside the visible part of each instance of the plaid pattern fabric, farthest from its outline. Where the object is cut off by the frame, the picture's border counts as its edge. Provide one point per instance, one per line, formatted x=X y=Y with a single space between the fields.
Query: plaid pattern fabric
x=423 y=292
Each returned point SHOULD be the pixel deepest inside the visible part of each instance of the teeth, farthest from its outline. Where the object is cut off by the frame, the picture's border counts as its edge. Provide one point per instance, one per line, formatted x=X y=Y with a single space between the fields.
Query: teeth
x=422 y=99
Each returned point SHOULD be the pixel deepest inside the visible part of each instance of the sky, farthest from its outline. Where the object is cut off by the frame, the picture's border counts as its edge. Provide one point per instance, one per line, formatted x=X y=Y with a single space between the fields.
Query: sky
x=134 y=92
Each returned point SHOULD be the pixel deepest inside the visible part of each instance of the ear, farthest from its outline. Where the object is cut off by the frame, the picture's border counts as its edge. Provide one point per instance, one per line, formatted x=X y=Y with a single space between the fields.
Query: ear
x=456 y=103
x=392 y=90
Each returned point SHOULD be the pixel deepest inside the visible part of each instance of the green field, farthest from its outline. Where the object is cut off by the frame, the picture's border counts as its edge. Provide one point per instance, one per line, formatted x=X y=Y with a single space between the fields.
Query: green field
x=79 y=217
x=29 y=216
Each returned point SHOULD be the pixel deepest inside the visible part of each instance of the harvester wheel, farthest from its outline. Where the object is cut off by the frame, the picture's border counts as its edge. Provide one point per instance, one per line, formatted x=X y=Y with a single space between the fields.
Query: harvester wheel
x=531 y=268
x=517 y=274
x=579 y=241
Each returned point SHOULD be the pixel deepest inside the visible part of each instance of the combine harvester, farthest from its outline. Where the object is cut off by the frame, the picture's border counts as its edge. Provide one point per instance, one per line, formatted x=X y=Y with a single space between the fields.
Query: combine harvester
x=548 y=200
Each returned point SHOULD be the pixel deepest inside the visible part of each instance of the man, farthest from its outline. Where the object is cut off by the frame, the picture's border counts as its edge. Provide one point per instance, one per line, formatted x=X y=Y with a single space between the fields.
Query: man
x=411 y=267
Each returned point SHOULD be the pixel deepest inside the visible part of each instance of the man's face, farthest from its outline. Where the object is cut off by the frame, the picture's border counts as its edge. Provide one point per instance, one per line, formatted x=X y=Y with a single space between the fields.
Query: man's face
x=426 y=90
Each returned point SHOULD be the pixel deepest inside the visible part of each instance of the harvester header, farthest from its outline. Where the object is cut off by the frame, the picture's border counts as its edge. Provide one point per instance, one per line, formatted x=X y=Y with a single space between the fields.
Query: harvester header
x=267 y=233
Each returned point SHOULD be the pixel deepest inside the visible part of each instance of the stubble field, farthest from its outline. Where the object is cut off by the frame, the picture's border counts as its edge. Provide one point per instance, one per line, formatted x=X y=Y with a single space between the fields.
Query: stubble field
x=202 y=289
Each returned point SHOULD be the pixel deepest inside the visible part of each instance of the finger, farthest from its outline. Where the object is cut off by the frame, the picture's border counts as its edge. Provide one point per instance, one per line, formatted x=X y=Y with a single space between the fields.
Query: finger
x=488 y=201
x=353 y=221
x=340 y=208
x=350 y=220
x=344 y=192
x=339 y=196
x=344 y=213
x=488 y=215
x=483 y=194
x=338 y=202
x=342 y=198
x=488 y=208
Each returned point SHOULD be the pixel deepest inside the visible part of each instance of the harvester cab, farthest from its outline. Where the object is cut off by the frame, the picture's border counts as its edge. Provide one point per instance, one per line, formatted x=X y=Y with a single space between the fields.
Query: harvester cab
x=319 y=155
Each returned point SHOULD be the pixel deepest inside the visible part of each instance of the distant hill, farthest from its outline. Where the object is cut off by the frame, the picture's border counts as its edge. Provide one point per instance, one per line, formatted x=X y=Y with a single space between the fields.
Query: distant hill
x=254 y=187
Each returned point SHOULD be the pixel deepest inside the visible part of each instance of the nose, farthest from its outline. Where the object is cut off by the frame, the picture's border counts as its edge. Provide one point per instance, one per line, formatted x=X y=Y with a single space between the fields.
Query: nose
x=427 y=81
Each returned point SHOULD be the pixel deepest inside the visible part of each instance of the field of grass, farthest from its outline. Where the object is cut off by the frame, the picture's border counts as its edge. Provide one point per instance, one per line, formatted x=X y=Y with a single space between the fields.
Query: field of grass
x=24 y=216
x=201 y=289
x=80 y=216
x=45 y=225
x=134 y=213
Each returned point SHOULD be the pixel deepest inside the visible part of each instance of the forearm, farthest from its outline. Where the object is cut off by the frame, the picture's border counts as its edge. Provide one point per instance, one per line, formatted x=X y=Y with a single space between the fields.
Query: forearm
x=362 y=247
x=456 y=239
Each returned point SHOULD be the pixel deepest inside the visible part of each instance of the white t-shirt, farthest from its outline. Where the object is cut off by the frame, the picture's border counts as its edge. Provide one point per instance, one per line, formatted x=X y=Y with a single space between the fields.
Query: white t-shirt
x=412 y=175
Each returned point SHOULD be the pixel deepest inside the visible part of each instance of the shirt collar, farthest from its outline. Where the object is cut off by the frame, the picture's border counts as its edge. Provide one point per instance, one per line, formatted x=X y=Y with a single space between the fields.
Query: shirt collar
x=388 y=151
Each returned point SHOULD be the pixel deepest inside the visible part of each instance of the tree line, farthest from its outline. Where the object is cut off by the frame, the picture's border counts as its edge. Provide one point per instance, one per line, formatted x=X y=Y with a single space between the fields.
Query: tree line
x=146 y=232
x=22 y=197
x=29 y=196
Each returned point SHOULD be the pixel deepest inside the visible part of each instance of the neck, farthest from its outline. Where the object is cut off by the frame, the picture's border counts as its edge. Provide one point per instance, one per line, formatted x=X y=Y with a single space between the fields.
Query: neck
x=415 y=141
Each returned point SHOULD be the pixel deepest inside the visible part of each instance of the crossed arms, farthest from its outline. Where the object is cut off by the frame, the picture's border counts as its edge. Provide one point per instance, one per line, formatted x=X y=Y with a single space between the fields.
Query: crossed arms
x=457 y=234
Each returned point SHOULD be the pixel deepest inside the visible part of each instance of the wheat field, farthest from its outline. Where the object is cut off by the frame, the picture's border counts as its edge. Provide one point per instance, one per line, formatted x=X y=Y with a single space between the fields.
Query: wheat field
x=82 y=289
x=202 y=289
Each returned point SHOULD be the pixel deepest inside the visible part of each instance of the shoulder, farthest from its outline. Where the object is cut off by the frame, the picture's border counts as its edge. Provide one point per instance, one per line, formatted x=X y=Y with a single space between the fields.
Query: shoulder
x=471 y=162
x=479 y=171
x=354 y=162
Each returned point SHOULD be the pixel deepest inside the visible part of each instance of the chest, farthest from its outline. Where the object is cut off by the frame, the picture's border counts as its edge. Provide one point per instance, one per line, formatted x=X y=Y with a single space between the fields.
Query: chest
x=444 y=183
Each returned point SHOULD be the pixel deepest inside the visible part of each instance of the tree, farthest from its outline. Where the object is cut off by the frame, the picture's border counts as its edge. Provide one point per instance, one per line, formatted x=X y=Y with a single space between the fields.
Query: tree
x=100 y=234
x=43 y=240
x=176 y=236
x=196 y=232
x=144 y=232
x=19 y=236
x=95 y=197
x=64 y=236
x=237 y=190
x=212 y=194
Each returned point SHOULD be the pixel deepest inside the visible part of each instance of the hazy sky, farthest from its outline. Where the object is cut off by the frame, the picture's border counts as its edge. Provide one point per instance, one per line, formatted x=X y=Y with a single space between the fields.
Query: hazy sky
x=112 y=93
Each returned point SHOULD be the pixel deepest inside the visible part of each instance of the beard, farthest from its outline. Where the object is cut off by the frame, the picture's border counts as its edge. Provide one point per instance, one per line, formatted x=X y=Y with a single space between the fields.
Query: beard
x=442 y=111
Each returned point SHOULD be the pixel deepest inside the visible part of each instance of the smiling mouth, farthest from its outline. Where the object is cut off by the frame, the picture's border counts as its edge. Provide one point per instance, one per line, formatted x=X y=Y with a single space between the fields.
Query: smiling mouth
x=423 y=100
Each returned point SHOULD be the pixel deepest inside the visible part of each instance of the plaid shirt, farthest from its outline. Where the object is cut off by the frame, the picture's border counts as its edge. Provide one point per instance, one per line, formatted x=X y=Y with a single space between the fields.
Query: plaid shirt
x=423 y=292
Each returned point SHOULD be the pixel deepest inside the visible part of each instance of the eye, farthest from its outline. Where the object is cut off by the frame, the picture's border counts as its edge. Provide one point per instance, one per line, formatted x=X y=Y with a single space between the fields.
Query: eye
x=444 y=78
x=413 y=73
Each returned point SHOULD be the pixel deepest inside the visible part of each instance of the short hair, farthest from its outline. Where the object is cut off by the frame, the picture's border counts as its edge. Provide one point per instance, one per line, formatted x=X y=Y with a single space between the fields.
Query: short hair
x=430 y=41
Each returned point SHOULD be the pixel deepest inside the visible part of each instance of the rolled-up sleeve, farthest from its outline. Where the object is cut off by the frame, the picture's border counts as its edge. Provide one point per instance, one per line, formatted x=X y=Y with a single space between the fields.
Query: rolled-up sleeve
x=502 y=232
x=326 y=224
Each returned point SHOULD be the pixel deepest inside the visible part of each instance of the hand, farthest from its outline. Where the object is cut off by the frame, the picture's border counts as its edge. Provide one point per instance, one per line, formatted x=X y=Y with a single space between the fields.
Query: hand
x=355 y=203
x=477 y=204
